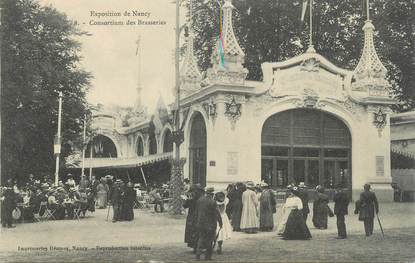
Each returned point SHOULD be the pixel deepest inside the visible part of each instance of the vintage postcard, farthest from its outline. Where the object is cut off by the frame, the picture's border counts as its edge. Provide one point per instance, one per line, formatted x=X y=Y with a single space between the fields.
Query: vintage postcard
x=193 y=130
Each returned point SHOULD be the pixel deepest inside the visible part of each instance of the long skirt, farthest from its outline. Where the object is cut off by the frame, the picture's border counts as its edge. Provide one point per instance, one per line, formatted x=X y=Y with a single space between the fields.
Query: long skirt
x=296 y=228
x=320 y=214
x=102 y=199
x=266 y=220
x=284 y=217
x=225 y=232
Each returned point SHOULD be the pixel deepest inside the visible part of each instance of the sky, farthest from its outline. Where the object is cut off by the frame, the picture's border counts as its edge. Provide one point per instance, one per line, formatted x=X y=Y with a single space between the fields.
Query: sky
x=109 y=53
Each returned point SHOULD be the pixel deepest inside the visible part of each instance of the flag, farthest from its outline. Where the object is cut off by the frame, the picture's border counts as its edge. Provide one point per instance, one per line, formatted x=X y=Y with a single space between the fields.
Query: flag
x=305 y=3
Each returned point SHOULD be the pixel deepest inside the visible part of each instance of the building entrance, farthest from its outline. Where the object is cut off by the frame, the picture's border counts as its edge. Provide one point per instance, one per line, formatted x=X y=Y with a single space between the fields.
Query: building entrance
x=197 y=150
x=305 y=145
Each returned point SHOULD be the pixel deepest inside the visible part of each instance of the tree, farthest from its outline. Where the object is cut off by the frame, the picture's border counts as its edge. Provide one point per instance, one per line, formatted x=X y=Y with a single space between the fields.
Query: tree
x=40 y=58
x=271 y=30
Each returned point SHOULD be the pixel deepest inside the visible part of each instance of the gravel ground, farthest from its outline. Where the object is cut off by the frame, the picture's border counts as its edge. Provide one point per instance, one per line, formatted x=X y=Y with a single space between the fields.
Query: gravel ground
x=159 y=237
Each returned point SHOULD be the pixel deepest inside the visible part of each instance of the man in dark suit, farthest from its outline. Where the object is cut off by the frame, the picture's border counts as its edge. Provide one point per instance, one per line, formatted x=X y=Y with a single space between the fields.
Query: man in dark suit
x=341 y=202
x=208 y=217
x=366 y=206
x=116 y=200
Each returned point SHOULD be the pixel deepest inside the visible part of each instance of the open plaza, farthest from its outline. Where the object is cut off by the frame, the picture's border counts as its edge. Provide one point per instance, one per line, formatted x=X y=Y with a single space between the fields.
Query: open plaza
x=155 y=237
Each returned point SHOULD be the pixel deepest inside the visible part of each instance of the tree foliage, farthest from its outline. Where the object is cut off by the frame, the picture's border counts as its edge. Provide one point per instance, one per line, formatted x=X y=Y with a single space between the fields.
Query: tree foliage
x=40 y=57
x=271 y=30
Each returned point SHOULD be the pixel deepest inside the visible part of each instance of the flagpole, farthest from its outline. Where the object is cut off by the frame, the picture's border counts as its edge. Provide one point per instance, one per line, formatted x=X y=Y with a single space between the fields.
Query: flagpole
x=311 y=24
x=83 y=148
x=367 y=10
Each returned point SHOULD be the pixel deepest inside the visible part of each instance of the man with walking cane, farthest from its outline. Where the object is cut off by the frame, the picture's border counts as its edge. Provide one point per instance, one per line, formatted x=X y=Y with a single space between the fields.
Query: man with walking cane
x=208 y=217
x=366 y=206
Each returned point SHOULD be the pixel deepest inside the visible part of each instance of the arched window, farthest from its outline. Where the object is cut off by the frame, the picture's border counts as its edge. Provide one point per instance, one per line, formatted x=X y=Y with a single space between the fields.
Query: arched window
x=168 y=141
x=305 y=145
x=140 y=146
x=152 y=144
x=102 y=147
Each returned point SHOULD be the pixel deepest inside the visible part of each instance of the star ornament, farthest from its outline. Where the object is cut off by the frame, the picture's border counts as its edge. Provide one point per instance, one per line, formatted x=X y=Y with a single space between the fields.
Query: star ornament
x=233 y=109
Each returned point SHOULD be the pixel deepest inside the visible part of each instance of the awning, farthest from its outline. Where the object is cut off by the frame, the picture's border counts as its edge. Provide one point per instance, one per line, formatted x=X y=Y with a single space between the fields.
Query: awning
x=121 y=162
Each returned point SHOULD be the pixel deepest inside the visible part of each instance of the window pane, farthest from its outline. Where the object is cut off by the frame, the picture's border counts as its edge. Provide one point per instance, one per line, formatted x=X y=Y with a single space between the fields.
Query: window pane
x=335 y=153
x=306 y=152
x=274 y=151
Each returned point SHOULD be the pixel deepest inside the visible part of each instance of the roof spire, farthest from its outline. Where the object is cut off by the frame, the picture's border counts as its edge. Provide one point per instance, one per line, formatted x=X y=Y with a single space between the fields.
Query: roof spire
x=228 y=56
x=190 y=75
x=370 y=73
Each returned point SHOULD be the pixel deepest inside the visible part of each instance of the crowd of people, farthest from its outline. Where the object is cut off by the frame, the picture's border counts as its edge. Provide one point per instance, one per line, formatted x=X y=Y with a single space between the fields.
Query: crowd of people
x=41 y=199
x=246 y=207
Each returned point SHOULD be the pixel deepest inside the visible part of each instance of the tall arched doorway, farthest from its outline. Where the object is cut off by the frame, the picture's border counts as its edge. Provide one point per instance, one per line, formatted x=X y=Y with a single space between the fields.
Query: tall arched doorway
x=168 y=142
x=102 y=147
x=140 y=146
x=197 y=150
x=306 y=145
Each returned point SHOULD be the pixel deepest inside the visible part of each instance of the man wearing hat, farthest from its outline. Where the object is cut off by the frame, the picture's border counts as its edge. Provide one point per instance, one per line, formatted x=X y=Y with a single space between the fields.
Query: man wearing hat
x=8 y=204
x=341 y=202
x=190 y=201
x=208 y=217
x=366 y=207
x=116 y=200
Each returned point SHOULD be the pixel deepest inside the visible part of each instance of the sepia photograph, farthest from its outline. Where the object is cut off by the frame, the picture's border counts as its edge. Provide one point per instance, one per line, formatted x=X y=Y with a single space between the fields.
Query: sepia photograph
x=207 y=130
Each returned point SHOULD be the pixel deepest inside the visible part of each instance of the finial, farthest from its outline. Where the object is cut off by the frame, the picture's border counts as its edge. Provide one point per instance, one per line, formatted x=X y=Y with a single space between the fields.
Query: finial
x=370 y=73
x=228 y=55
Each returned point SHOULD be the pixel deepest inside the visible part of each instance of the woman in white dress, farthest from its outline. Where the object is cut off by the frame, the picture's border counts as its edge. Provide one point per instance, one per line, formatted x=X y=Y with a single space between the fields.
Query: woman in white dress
x=223 y=233
x=292 y=202
x=293 y=225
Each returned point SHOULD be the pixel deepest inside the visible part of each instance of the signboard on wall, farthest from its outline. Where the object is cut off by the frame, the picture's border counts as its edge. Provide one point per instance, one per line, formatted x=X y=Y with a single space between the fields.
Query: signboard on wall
x=232 y=162
x=380 y=165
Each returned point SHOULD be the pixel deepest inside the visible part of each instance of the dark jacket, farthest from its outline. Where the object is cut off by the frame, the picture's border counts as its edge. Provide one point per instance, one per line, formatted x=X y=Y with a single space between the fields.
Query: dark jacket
x=367 y=205
x=207 y=214
x=116 y=196
x=304 y=199
x=341 y=202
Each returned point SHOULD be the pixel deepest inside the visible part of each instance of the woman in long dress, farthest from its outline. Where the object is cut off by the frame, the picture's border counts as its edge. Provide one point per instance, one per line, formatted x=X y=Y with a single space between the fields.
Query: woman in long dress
x=102 y=193
x=249 y=218
x=321 y=209
x=223 y=233
x=267 y=209
x=295 y=226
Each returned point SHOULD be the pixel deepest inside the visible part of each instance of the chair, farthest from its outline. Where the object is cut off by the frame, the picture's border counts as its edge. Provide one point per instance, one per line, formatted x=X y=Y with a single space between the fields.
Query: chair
x=77 y=210
x=41 y=214
x=140 y=202
x=50 y=212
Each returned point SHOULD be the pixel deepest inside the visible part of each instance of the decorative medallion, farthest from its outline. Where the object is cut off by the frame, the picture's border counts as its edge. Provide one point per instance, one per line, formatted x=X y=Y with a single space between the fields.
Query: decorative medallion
x=233 y=111
x=310 y=65
x=379 y=120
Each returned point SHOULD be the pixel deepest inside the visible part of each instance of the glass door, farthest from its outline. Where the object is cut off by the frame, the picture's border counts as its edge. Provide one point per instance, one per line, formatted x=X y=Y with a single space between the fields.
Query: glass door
x=267 y=171
x=281 y=177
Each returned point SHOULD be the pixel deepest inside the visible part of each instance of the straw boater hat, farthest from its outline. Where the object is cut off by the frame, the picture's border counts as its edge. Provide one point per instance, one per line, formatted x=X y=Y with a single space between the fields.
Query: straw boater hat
x=263 y=184
x=301 y=185
x=210 y=190
x=250 y=184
